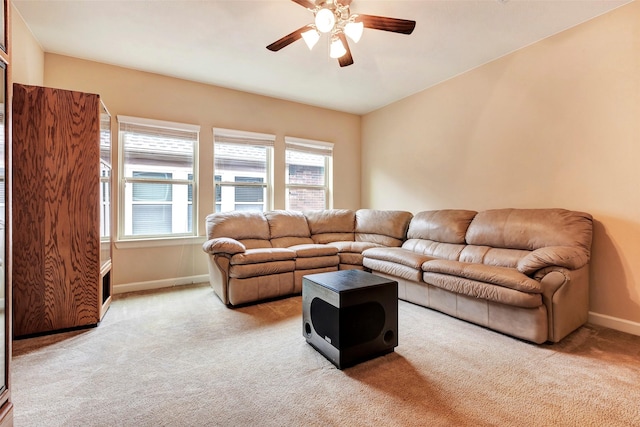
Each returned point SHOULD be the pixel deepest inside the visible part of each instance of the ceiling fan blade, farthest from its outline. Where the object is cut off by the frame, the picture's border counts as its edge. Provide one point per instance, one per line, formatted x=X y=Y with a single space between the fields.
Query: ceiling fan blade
x=305 y=3
x=402 y=26
x=346 y=59
x=287 y=40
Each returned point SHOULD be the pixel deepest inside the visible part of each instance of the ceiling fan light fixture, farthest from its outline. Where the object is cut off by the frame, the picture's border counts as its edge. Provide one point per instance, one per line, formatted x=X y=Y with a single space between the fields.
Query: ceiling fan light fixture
x=325 y=20
x=311 y=37
x=337 y=49
x=334 y=18
x=354 y=30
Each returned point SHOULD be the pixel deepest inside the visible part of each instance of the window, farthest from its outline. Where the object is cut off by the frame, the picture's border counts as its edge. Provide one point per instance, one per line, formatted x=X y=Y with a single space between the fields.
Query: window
x=105 y=200
x=105 y=175
x=218 y=190
x=249 y=198
x=158 y=170
x=151 y=204
x=242 y=165
x=308 y=174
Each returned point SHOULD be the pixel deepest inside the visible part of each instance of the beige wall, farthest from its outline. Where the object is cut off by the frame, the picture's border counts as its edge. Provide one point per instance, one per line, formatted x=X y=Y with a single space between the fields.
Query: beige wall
x=135 y=93
x=27 y=56
x=556 y=124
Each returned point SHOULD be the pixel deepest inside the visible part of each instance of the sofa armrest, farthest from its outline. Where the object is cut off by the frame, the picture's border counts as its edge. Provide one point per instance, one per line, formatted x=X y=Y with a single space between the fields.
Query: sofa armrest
x=572 y=258
x=551 y=279
x=565 y=293
x=224 y=245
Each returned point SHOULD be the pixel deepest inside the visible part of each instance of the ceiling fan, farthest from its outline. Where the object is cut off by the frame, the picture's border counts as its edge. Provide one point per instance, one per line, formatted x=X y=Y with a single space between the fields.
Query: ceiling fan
x=334 y=17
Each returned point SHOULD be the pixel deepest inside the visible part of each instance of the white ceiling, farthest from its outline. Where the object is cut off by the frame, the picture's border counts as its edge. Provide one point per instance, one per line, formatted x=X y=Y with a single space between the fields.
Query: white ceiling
x=223 y=42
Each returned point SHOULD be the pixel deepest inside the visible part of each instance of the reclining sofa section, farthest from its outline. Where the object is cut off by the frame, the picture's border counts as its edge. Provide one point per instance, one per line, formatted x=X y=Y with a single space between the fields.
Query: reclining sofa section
x=523 y=272
x=255 y=256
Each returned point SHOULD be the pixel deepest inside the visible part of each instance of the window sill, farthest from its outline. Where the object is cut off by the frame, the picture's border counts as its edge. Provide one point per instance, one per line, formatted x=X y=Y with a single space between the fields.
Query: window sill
x=159 y=242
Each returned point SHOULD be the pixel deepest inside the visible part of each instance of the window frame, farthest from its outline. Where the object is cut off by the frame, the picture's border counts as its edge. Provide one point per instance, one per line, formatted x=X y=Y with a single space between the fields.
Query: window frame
x=243 y=138
x=310 y=146
x=105 y=200
x=124 y=180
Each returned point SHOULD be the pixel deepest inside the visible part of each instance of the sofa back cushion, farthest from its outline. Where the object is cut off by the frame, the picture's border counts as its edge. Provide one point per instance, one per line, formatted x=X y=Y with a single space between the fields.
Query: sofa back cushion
x=386 y=228
x=288 y=228
x=530 y=229
x=445 y=226
x=331 y=225
x=249 y=227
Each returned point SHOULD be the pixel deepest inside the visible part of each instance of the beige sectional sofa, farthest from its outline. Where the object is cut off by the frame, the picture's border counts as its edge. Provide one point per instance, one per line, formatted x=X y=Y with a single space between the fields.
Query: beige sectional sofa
x=255 y=256
x=523 y=272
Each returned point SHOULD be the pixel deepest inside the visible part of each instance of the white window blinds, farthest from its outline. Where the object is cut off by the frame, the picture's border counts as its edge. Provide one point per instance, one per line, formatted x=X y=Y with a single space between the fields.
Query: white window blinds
x=242 y=170
x=158 y=172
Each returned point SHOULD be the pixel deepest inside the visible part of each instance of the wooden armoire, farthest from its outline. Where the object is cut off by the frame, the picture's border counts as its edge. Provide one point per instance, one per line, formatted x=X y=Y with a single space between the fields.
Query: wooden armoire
x=59 y=280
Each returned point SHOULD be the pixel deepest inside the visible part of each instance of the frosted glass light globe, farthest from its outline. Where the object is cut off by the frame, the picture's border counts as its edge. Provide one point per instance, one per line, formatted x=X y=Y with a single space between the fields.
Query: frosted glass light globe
x=337 y=49
x=325 y=20
x=354 y=30
x=311 y=37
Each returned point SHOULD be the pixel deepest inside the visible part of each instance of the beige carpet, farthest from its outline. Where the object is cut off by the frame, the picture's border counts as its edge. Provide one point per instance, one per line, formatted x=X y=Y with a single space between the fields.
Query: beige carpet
x=180 y=358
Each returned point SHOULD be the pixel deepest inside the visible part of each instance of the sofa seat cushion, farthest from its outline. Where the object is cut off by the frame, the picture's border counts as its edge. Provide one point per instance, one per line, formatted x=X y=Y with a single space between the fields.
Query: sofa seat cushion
x=393 y=269
x=354 y=247
x=351 y=252
x=332 y=237
x=483 y=290
x=498 y=284
x=311 y=250
x=255 y=243
x=317 y=262
x=262 y=255
x=287 y=242
x=398 y=256
x=350 y=258
x=500 y=276
x=244 y=271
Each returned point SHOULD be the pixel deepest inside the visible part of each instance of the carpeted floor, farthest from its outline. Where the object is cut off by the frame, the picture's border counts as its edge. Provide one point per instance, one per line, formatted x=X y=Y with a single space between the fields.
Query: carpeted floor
x=179 y=357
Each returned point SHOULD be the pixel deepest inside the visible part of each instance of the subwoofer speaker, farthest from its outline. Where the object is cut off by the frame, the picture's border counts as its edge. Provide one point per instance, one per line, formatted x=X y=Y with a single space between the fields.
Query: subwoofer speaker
x=350 y=316
x=360 y=323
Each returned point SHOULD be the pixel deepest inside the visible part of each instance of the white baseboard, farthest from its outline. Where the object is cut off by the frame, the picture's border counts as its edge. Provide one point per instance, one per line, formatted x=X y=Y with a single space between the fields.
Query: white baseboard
x=158 y=284
x=614 y=323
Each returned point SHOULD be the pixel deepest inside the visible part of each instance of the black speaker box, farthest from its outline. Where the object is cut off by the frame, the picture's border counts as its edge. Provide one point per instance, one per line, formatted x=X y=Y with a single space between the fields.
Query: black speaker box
x=350 y=316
